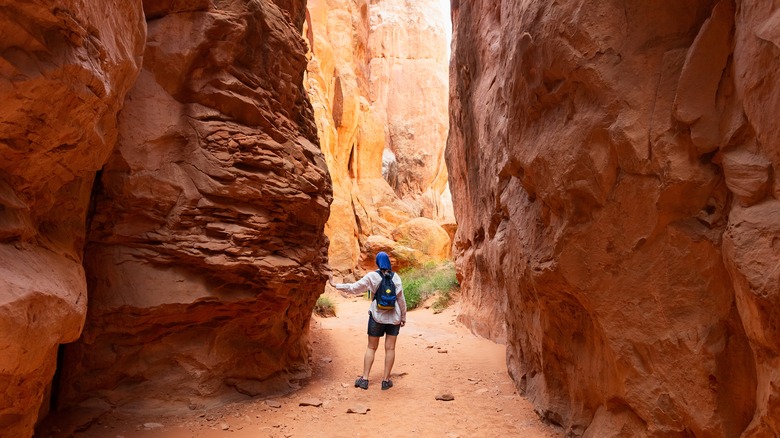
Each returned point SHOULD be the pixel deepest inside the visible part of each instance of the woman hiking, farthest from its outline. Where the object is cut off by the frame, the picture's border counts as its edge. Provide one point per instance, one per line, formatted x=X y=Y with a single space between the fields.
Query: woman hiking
x=386 y=315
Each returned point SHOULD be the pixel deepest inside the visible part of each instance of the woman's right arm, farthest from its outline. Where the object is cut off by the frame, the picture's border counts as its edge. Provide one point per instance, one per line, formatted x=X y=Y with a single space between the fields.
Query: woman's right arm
x=356 y=288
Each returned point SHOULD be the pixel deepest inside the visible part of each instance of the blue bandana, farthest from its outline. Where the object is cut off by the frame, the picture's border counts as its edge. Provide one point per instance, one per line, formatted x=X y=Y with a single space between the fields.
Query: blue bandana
x=383 y=261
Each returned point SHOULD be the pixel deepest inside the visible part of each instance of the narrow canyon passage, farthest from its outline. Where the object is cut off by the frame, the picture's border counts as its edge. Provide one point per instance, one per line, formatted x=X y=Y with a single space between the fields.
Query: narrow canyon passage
x=179 y=180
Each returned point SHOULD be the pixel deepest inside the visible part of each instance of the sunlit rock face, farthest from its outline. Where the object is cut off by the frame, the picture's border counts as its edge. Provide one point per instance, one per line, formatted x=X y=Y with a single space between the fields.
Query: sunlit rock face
x=613 y=173
x=206 y=250
x=377 y=79
x=408 y=60
x=65 y=68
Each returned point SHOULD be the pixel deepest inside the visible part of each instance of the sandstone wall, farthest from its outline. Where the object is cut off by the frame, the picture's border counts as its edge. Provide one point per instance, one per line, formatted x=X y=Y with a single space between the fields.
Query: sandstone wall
x=64 y=72
x=377 y=80
x=408 y=60
x=613 y=174
x=206 y=250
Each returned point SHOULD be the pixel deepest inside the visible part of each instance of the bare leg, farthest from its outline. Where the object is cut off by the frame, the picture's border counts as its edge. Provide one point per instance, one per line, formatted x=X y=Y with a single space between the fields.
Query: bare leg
x=389 y=355
x=368 y=359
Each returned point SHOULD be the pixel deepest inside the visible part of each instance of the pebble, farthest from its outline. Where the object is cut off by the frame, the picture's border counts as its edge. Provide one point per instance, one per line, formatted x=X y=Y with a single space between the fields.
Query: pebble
x=310 y=402
x=152 y=425
x=358 y=409
x=273 y=403
x=442 y=351
x=445 y=397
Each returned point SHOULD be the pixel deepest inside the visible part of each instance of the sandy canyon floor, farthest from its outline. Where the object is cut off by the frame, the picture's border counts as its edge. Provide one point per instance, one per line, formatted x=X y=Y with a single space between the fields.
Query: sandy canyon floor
x=434 y=355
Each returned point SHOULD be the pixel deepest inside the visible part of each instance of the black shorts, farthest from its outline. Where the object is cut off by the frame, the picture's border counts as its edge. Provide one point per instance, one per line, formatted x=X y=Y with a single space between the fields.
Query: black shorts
x=378 y=329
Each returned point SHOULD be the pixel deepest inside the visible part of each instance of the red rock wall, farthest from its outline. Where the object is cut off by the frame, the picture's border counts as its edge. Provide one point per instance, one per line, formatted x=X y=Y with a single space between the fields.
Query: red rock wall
x=206 y=250
x=65 y=68
x=612 y=170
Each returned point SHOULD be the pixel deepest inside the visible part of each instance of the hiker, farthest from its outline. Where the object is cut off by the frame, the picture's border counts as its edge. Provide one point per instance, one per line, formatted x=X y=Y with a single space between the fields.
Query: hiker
x=386 y=315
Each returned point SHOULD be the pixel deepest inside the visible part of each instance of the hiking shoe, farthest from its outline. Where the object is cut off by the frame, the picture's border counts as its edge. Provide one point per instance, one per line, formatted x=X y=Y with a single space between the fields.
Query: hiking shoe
x=387 y=384
x=361 y=383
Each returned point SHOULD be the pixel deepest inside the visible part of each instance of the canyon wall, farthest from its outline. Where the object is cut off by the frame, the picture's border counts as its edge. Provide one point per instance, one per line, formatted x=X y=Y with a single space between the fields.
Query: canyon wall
x=64 y=73
x=613 y=169
x=193 y=260
x=206 y=250
x=377 y=79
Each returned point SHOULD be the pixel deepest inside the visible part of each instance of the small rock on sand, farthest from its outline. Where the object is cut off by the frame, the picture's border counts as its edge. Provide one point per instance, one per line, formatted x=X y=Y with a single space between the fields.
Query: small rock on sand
x=152 y=426
x=310 y=402
x=358 y=409
x=273 y=404
x=445 y=397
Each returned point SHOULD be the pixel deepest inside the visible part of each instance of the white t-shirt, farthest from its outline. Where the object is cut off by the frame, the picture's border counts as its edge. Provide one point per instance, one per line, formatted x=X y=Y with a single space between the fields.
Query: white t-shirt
x=371 y=282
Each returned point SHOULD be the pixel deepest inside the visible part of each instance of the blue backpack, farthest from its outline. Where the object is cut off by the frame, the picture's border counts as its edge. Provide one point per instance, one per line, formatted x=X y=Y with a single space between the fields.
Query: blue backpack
x=385 y=293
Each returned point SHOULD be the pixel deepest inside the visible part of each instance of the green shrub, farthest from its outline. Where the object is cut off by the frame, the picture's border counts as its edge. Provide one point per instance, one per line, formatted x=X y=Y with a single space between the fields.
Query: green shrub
x=413 y=292
x=420 y=283
x=325 y=307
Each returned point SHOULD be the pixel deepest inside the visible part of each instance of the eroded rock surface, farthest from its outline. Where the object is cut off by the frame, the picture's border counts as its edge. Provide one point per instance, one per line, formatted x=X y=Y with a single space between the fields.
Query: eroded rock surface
x=377 y=79
x=613 y=169
x=65 y=68
x=206 y=250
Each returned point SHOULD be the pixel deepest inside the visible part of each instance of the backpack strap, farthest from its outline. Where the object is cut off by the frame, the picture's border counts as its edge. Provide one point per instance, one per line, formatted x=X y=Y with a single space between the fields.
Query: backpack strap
x=379 y=286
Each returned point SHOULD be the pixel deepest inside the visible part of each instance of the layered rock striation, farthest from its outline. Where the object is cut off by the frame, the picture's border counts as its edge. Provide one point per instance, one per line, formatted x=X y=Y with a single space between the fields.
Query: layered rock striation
x=613 y=174
x=64 y=73
x=206 y=250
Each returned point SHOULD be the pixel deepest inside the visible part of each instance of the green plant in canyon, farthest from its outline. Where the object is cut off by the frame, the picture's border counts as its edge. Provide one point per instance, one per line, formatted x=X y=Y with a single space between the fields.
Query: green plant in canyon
x=423 y=282
x=325 y=307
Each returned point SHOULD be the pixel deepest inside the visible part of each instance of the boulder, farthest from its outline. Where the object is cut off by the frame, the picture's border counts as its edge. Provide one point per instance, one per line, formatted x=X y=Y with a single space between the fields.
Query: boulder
x=426 y=236
x=401 y=257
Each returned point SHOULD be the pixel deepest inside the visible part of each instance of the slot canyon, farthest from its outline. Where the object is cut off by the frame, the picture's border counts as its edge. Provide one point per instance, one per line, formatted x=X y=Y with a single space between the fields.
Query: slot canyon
x=180 y=179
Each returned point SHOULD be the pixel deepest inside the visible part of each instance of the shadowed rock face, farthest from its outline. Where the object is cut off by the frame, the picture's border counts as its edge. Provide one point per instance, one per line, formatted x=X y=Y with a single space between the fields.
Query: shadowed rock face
x=206 y=250
x=612 y=166
x=64 y=72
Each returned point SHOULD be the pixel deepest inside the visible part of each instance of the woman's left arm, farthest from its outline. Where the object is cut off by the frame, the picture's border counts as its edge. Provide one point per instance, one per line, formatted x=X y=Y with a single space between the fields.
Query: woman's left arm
x=401 y=299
